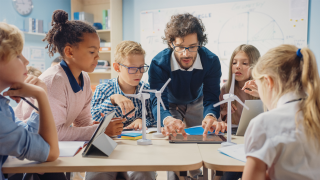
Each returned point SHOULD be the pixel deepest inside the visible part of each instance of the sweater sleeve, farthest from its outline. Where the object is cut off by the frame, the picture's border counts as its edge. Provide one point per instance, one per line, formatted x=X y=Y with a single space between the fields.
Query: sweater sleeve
x=211 y=88
x=57 y=94
x=157 y=78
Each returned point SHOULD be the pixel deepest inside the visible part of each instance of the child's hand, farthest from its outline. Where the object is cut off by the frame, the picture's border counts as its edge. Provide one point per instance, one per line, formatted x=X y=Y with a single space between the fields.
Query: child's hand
x=124 y=103
x=252 y=86
x=18 y=90
x=31 y=79
x=137 y=124
x=115 y=127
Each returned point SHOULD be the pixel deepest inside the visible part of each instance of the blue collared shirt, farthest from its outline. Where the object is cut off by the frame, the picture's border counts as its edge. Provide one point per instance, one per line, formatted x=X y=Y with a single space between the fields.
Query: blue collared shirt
x=101 y=103
x=20 y=139
x=73 y=82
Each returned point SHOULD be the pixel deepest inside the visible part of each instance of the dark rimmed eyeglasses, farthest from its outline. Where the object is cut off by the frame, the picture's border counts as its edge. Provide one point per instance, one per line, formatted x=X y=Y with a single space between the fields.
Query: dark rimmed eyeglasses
x=133 y=70
x=181 y=49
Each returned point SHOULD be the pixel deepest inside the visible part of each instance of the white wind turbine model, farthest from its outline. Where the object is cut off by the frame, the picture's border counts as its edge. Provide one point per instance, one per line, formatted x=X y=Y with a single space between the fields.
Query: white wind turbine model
x=143 y=97
x=159 y=101
x=229 y=98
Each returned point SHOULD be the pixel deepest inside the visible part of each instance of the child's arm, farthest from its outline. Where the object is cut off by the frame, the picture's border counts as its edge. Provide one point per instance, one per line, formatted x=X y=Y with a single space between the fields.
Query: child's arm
x=47 y=128
x=255 y=169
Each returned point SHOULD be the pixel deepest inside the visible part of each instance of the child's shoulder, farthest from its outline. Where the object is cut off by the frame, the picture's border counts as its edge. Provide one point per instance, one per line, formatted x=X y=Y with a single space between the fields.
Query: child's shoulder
x=109 y=83
x=54 y=73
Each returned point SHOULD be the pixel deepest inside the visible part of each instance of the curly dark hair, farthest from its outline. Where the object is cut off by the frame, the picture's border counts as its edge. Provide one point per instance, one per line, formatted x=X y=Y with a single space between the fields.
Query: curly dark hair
x=65 y=32
x=182 y=25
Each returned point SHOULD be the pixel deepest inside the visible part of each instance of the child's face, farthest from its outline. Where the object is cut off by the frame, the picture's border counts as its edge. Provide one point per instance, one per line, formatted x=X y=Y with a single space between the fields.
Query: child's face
x=132 y=60
x=86 y=55
x=241 y=67
x=13 y=71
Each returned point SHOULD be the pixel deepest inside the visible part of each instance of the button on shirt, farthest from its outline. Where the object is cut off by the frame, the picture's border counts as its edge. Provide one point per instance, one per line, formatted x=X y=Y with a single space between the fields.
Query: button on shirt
x=20 y=139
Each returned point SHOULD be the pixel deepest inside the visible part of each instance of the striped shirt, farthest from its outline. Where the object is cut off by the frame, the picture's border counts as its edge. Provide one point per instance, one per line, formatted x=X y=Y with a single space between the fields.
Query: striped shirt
x=101 y=103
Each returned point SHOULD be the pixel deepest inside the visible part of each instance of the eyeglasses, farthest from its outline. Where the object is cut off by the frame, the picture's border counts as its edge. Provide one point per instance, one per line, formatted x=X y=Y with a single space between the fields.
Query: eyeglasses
x=182 y=49
x=133 y=70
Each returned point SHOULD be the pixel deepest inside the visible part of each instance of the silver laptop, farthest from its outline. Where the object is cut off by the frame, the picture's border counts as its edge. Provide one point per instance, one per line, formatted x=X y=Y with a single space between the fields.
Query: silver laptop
x=255 y=108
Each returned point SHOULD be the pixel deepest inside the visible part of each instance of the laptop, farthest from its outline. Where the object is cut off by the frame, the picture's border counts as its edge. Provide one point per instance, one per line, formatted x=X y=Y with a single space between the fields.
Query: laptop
x=255 y=108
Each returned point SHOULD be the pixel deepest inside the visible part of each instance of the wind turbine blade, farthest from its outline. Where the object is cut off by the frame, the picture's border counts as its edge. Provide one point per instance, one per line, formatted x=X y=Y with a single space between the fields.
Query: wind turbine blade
x=152 y=91
x=141 y=88
x=165 y=85
x=221 y=102
x=239 y=101
x=231 y=91
x=161 y=102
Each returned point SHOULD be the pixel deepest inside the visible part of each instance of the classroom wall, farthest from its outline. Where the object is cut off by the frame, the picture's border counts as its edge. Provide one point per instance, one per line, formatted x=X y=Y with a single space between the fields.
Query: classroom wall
x=132 y=8
x=42 y=9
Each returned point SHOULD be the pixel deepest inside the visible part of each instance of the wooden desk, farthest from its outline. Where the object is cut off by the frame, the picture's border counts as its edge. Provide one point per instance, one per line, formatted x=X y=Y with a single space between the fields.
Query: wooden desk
x=213 y=159
x=128 y=156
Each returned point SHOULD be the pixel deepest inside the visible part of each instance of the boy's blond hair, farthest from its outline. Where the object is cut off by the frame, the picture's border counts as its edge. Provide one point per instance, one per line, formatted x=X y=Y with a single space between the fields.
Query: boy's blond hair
x=126 y=48
x=11 y=41
x=292 y=73
x=34 y=71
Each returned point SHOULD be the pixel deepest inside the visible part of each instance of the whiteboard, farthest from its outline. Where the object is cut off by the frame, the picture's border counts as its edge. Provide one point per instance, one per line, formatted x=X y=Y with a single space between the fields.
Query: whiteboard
x=264 y=24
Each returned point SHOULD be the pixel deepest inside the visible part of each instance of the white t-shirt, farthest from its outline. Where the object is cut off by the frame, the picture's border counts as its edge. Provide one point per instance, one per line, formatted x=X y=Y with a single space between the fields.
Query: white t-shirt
x=273 y=138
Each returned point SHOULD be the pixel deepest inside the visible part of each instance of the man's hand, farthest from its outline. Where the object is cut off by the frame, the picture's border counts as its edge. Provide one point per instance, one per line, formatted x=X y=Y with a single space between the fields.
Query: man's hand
x=210 y=123
x=124 y=103
x=115 y=127
x=252 y=86
x=137 y=124
x=172 y=125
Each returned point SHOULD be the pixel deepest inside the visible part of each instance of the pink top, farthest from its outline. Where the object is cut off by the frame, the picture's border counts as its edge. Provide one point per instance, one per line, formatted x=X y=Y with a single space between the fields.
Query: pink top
x=67 y=107
x=242 y=95
x=22 y=110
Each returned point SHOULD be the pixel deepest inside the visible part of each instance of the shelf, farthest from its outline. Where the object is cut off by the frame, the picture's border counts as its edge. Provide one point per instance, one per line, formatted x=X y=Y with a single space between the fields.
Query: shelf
x=35 y=34
x=103 y=31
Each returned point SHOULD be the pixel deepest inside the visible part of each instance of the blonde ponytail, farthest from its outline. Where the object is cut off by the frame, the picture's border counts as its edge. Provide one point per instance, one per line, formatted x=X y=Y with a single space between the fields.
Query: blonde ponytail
x=297 y=73
x=310 y=106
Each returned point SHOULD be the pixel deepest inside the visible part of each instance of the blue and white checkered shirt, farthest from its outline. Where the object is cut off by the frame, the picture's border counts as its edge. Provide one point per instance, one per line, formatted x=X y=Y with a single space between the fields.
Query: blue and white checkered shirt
x=101 y=103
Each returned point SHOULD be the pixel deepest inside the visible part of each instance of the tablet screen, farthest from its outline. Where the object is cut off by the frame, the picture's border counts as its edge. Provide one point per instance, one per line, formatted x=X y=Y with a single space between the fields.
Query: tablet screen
x=210 y=139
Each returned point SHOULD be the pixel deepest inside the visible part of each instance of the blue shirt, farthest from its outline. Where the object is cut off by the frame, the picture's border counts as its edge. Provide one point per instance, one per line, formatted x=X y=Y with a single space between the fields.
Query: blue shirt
x=101 y=103
x=186 y=86
x=20 y=139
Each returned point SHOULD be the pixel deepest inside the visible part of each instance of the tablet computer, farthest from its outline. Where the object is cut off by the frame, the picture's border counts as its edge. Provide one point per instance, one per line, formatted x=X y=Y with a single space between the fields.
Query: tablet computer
x=210 y=139
x=90 y=148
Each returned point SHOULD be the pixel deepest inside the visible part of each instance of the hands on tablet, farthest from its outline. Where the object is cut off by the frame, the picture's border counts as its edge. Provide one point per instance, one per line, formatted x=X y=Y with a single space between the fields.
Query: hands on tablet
x=173 y=126
x=115 y=127
x=211 y=123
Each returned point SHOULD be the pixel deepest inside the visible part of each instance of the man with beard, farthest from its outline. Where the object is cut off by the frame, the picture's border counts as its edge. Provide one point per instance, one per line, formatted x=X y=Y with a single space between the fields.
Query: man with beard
x=195 y=74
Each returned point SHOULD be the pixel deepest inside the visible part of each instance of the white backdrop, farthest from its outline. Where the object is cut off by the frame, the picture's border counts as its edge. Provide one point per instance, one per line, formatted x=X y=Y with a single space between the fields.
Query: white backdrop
x=264 y=24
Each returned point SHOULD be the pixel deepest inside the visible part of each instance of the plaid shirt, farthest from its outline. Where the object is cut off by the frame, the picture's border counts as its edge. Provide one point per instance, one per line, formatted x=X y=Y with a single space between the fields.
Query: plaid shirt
x=101 y=103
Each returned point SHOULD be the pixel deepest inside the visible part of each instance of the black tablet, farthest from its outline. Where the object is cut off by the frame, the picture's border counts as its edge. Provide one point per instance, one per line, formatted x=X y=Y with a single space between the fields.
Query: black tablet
x=210 y=139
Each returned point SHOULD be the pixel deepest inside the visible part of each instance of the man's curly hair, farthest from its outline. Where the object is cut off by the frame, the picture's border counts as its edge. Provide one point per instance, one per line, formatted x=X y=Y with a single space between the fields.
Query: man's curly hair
x=65 y=32
x=182 y=25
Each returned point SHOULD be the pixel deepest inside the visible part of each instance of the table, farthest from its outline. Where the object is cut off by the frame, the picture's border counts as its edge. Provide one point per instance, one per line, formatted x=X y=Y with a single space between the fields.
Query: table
x=127 y=156
x=214 y=160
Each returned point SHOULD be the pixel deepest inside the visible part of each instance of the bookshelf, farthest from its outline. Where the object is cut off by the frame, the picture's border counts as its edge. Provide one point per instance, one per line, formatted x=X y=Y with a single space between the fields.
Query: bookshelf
x=113 y=35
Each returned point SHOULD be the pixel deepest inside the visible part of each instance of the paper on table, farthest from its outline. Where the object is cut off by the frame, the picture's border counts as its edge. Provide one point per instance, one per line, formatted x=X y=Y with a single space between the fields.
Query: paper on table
x=235 y=151
x=149 y=130
x=69 y=148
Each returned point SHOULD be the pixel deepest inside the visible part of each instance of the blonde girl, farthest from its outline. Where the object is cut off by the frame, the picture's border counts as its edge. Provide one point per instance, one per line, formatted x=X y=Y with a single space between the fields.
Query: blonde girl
x=284 y=141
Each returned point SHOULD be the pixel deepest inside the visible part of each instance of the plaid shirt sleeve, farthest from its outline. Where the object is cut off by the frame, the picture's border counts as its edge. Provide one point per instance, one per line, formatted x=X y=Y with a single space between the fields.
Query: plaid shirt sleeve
x=101 y=102
x=150 y=121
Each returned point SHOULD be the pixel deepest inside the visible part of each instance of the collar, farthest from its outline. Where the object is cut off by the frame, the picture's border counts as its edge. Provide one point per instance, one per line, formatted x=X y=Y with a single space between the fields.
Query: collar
x=72 y=80
x=290 y=96
x=175 y=66
x=118 y=89
x=4 y=101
